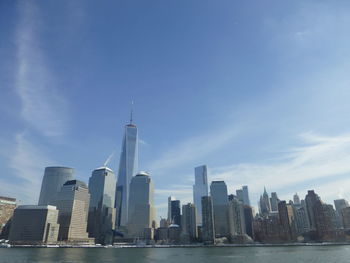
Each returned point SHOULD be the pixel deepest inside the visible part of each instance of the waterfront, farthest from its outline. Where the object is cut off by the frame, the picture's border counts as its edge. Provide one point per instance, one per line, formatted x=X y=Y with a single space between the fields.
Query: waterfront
x=287 y=254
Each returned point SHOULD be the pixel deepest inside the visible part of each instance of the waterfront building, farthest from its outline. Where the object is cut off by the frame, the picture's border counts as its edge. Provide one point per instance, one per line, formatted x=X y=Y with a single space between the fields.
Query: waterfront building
x=301 y=219
x=189 y=223
x=345 y=215
x=7 y=207
x=34 y=225
x=286 y=220
x=101 y=220
x=53 y=180
x=200 y=188
x=174 y=232
x=218 y=192
x=236 y=217
x=142 y=213
x=170 y=217
x=296 y=199
x=339 y=205
x=73 y=205
x=248 y=220
x=176 y=212
x=274 y=201
x=310 y=199
x=208 y=229
x=325 y=219
x=246 y=200
x=128 y=166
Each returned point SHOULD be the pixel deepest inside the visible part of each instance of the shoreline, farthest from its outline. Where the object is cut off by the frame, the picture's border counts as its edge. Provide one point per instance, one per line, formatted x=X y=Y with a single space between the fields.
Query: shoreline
x=182 y=246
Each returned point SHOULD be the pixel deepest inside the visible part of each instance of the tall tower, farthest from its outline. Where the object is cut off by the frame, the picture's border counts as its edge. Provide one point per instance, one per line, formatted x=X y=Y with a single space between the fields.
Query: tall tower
x=142 y=214
x=127 y=169
x=218 y=192
x=101 y=221
x=200 y=189
x=53 y=180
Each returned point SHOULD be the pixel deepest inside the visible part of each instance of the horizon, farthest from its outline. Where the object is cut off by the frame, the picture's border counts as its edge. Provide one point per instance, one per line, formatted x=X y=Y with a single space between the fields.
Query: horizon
x=259 y=93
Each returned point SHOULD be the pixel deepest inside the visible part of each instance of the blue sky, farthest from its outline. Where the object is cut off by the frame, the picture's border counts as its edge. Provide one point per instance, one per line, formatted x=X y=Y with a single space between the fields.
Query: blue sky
x=258 y=91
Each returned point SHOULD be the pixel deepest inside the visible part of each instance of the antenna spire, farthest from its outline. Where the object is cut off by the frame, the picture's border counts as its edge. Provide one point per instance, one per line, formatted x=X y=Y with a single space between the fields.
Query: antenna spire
x=131 y=111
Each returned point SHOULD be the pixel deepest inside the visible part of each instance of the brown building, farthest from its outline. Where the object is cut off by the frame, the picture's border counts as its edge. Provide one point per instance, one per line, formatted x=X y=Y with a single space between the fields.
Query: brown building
x=7 y=207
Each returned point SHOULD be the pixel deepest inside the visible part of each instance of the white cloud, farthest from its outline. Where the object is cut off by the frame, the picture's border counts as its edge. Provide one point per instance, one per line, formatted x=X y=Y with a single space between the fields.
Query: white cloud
x=42 y=105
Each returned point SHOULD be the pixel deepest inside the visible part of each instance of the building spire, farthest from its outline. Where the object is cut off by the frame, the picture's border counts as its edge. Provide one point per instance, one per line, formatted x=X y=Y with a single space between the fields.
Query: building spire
x=131 y=111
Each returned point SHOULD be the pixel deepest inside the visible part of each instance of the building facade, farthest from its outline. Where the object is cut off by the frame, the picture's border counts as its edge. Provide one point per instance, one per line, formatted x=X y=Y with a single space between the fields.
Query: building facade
x=73 y=205
x=7 y=207
x=189 y=223
x=128 y=166
x=208 y=229
x=142 y=212
x=200 y=188
x=218 y=192
x=34 y=225
x=101 y=220
x=53 y=180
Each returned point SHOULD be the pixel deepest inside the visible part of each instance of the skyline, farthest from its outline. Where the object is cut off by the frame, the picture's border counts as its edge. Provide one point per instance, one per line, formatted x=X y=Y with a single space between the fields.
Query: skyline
x=257 y=94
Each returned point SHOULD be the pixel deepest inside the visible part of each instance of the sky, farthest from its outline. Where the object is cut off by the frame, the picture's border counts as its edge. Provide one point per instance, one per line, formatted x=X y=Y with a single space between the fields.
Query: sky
x=257 y=90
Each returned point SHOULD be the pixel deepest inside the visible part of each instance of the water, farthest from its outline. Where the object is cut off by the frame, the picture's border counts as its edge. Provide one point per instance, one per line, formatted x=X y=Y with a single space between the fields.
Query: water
x=318 y=254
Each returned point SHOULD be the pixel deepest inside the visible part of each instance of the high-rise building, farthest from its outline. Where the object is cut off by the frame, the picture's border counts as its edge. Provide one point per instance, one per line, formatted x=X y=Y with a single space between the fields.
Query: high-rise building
x=73 y=205
x=7 y=207
x=53 y=180
x=345 y=215
x=301 y=218
x=310 y=199
x=176 y=212
x=274 y=201
x=188 y=223
x=296 y=199
x=142 y=214
x=325 y=219
x=246 y=200
x=218 y=192
x=33 y=225
x=170 y=217
x=101 y=220
x=208 y=229
x=239 y=195
x=200 y=189
x=236 y=217
x=248 y=220
x=286 y=219
x=339 y=205
x=128 y=166
x=264 y=203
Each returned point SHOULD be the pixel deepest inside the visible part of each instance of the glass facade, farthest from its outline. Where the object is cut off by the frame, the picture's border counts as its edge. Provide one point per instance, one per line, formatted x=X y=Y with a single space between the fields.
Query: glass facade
x=127 y=169
x=200 y=189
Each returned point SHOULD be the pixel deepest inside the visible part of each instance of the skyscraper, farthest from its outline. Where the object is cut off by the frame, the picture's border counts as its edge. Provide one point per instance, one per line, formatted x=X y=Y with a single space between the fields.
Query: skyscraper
x=246 y=200
x=53 y=180
x=274 y=201
x=339 y=205
x=264 y=203
x=296 y=199
x=208 y=229
x=101 y=221
x=176 y=212
x=128 y=166
x=72 y=203
x=236 y=217
x=188 y=222
x=142 y=214
x=200 y=189
x=170 y=217
x=218 y=192
x=310 y=199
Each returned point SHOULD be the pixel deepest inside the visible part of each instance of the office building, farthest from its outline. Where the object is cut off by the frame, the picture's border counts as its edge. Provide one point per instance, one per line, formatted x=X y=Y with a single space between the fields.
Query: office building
x=301 y=219
x=310 y=199
x=142 y=212
x=34 y=225
x=128 y=166
x=248 y=220
x=188 y=223
x=286 y=219
x=218 y=192
x=7 y=207
x=53 y=180
x=339 y=205
x=236 y=217
x=176 y=212
x=200 y=189
x=170 y=218
x=246 y=200
x=73 y=205
x=101 y=220
x=274 y=201
x=296 y=199
x=239 y=195
x=345 y=215
x=208 y=229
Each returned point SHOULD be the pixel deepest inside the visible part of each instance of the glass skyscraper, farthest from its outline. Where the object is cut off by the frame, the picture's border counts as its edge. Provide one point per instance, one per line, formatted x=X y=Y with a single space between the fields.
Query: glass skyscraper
x=200 y=189
x=101 y=210
x=127 y=169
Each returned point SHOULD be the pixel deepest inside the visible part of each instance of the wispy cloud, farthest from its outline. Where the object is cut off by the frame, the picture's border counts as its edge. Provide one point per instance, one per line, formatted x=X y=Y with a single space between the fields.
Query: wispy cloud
x=320 y=160
x=42 y=105
x=192 y=149
x=27 y=163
